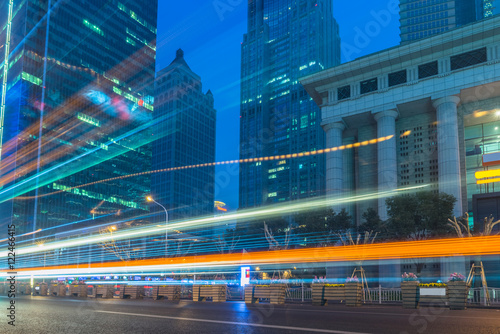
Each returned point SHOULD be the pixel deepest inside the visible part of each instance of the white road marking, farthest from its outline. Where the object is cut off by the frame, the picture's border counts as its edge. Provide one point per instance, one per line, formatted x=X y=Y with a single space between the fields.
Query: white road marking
x=421 y=311
x=301 y=329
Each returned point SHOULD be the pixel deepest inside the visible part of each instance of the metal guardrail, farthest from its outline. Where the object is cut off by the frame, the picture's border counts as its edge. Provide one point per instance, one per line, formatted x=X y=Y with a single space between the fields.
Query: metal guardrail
x=301 y=293
x=477 y=296
x=187 y=292
x=383 y=295
x=235 y=293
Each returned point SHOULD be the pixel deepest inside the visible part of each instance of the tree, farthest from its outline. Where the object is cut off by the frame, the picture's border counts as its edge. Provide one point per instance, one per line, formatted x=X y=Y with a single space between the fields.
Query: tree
x=341 y=222
x=315 y=226
x=253 y=234
x=321 y=225
x=226 y=243
x=277 y=232
x=120 y=249
x=461 y=226
x=372 y=222
x=421 y=215
x=367 y=238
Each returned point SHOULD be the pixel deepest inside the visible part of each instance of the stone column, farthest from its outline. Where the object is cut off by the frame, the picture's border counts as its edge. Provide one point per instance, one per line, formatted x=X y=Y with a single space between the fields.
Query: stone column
x=386 y=157
x=348 y=157
x=334 y=161
x=448 y=149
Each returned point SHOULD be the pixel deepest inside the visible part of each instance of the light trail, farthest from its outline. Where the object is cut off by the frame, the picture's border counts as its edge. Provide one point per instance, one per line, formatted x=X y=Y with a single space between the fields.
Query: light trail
x=54 y=118
x=136 y=138
x=210 y=164
x=489 y=245
x=251 y=214
x=22 y=235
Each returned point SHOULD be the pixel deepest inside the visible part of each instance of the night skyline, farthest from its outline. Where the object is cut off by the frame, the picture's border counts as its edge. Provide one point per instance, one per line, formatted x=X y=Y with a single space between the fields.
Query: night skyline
x=211 y=38
x=259 y=166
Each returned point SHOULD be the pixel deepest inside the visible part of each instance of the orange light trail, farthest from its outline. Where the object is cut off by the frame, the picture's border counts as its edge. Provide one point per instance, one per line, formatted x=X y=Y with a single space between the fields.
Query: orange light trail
x=211 y=164
x=489 y=245
x=10 y=168
x=22 y=235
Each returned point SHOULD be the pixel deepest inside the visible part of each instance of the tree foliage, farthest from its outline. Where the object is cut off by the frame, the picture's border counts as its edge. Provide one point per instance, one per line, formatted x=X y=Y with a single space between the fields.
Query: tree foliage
x=371 y=222
x=421 y=215
x=320 y=227
x=227 y=241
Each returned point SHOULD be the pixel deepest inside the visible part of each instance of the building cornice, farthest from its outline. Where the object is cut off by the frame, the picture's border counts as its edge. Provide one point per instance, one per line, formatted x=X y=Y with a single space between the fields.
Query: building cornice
x=441 y=46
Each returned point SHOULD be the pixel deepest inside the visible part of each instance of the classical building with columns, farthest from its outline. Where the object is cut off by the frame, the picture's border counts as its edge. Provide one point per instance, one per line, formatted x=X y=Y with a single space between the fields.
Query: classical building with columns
x=439 y=99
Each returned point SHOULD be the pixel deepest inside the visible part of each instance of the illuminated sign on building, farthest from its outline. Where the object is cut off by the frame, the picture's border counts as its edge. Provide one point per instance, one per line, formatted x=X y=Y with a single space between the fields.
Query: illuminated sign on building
x=245 y=276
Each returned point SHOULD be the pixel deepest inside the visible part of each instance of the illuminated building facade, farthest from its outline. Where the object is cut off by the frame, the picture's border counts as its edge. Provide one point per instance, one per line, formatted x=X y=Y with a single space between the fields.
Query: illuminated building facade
x=421 y=19
x=284 y=40
x=189 y=139
x=440 y=104
x=490 y=7
x=77 y=86
x=437 y=103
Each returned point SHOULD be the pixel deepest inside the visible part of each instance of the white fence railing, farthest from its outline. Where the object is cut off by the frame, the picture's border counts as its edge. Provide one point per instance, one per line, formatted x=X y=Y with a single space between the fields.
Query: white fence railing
x=383 y=295
x=301 y=293
x=478 y=296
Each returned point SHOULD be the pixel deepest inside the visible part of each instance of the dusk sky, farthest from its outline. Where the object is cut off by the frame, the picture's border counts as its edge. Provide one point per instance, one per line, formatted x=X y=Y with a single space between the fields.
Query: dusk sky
x=210 y=33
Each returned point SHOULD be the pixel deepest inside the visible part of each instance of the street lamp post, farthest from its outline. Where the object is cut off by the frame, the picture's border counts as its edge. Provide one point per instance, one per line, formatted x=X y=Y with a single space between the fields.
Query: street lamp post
x=150 y=199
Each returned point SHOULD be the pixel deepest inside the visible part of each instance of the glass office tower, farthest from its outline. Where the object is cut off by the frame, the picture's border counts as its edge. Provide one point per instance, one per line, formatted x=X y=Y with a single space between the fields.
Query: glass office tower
x=189 y=139
x=285 y=40
x=489 y=8
x=76 y=96
x=420 y=19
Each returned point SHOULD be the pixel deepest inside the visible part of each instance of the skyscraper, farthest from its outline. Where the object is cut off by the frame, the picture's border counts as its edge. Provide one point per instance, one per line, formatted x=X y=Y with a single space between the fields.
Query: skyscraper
x=489 y=8
x=285 y=40
x=188 y=140
x=76 y=96
x=420 y=19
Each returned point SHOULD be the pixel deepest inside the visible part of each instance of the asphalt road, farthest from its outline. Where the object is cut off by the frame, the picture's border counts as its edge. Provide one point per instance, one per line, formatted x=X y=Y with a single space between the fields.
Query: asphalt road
x=66 y=315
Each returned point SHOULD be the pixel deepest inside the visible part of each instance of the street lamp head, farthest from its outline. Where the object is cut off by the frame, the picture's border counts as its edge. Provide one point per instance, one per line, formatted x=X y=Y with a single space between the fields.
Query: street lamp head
x=149 y=198
x=113 y=228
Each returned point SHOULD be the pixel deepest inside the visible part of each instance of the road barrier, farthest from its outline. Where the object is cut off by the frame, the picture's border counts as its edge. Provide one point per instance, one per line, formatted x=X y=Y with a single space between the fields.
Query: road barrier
x=131 y=292
x=324 y=293
x=78 y=290
x=317 y=293
x=23 y=288
x=254 y=293
x=103 y=291
x=216 y=292
x=40 y=289
x=170 y=292
x=57 y=289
